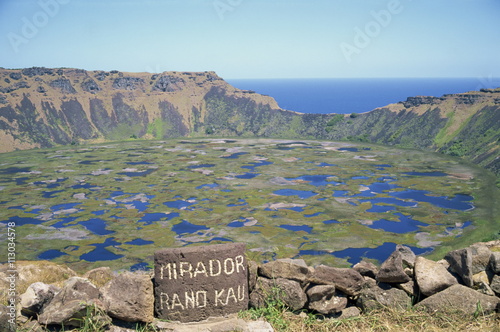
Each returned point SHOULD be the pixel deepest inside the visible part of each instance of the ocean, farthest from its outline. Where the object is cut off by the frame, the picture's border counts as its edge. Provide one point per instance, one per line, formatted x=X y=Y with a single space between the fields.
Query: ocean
x=356 y=95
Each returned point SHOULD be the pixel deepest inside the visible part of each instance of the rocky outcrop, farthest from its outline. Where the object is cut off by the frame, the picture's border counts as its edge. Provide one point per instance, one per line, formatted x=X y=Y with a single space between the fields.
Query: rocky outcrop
x=127 y=83
x=129 y=297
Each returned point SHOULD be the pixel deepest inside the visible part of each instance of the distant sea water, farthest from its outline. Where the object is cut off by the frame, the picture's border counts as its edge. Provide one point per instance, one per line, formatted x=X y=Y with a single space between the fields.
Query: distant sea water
x=354 y=95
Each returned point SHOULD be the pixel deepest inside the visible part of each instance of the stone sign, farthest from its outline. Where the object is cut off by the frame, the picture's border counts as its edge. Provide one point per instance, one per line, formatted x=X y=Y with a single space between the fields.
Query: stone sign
x=194 y=283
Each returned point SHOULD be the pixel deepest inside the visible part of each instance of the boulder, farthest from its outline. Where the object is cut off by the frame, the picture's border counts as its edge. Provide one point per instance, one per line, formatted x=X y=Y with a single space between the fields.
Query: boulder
x=494 y=262
x=253 y=269
x=495 y=284
x=432 y=277
x=349 y=312
x=461 y=263
x=392 y=270
x=71 y=304
x=100 y=276
x=410 y=288
x=36 y=297
x=325 y=300
x=382 y=296
x=346 y=280
x=293 y=269
x=408 y=257
x=482 y=283
x=7 y=319
x=367 y=269
x=459 y=298
x=129 y=297
x=480 y=257
x=289 y=291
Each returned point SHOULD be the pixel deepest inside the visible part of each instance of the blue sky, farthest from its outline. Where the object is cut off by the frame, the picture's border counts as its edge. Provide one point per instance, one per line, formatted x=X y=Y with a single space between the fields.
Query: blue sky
x=256 y=38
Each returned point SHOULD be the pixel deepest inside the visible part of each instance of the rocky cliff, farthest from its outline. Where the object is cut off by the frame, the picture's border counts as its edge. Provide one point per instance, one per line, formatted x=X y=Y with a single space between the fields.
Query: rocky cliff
x=42 y=107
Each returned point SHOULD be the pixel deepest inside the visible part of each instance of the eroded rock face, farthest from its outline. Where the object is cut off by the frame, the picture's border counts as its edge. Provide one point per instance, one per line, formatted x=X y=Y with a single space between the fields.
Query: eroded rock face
x=129 y=297
x=195 y=283
x=459 y=298
x=432 y=277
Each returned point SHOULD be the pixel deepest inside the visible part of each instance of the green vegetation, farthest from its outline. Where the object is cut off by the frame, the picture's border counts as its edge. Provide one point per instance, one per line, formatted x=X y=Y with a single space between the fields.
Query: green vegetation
x=333 y=122
x=274 y=311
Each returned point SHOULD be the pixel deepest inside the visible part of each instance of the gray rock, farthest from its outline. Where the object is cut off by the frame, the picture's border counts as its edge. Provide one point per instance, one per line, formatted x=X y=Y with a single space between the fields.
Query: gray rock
x=408 y=257
x=480 y=257
x=495 y=284
x=461 y=264
x=432 y=277
x=64 y=84
x=494 y=263
x=127 y=83
x=346 y=280
x=36 y=297
x=325 y=300
x=7 y=319
x=90 y=85
x=129 y=297
x=410 y=288
x=392 y=270
x=459 y=298
x=253 y=268
x=30 y=326
x=285 y=268
x=289 y=291
x=367 y=269
x=168 y=83
x=71 y=303
x=381 y=296
x=482 y=283
x=349 y=312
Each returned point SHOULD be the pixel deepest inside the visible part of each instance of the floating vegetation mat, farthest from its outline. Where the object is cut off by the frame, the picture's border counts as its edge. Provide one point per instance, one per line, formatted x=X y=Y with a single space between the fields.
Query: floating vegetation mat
x=325 y=202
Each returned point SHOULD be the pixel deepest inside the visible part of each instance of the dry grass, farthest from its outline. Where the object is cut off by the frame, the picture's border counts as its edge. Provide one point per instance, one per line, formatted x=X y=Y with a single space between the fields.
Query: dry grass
x=393 y=321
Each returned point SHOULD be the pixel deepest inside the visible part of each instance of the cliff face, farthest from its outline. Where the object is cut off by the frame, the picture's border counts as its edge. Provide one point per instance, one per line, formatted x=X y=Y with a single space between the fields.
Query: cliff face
x=41 y=107
x=465 y=125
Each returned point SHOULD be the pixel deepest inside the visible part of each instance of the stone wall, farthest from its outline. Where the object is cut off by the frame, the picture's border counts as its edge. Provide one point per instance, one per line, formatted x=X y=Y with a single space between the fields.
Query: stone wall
x=466 y=280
